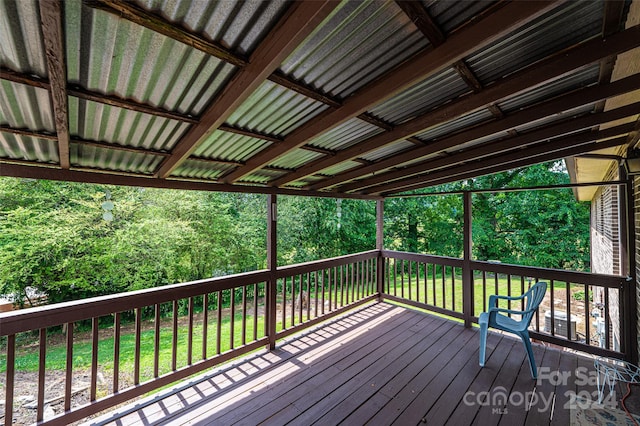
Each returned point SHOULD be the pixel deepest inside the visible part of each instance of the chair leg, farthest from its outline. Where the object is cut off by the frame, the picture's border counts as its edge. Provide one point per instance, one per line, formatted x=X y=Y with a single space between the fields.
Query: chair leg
x=484 y=326
x=526 y=341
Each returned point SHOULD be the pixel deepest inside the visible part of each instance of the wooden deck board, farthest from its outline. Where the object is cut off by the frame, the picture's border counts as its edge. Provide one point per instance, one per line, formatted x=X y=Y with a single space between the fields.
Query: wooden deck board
x=380 y=365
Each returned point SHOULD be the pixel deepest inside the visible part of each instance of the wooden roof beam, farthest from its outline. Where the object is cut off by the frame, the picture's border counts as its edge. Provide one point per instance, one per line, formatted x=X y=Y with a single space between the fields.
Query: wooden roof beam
x=423 y=65
x=576 y=99
x=130 y=11
x=299 y=21
x=493 y=148
x=549 y=69
x=89 y=95
x=51 y=15
x=535 y=155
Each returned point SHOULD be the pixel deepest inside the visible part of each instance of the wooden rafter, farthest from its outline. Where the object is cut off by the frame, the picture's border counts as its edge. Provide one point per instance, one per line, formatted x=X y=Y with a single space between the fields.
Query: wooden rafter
x=131 y=12
x=423 y=65
x=546 y=70
x=53 y=32
x=576 y=99
x=301 y=18
x=28 y=132
x=51 y=172
x=535 y=155
x=518 y=142
x=89 y=95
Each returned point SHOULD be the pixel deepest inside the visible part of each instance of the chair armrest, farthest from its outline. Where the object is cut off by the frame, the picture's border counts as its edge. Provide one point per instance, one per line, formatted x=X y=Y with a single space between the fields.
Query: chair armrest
x=493 y=299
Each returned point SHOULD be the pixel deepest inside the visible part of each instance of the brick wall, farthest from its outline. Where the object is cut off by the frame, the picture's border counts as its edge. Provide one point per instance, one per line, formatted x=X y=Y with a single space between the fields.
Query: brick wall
x=605 y=246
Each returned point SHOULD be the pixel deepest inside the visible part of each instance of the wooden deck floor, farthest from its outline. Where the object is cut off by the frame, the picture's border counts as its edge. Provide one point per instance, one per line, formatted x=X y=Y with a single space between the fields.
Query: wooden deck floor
x=381 y=365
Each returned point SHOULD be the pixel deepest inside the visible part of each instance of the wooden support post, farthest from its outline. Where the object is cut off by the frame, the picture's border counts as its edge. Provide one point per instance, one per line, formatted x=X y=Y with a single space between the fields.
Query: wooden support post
x=379 y=247
x=467 y=272
x=272 y=265
x=629 y=316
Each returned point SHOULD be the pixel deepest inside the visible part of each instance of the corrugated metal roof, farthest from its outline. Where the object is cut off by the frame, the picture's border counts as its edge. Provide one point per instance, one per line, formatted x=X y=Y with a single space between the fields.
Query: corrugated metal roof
x=108 y=159
x=345 y=135
x=25 y=107
x=296 y=158
x=19 y=147
x=359 y=42
x=104 y=123
x=21 y=45
x=422 y=97
x=571 y=23
x=584 y=77
x=585 y=109
x=200 y=170
x=459 y=123
x=237 y=25
x=136 y=63
x=275 y=110
x=450 y=14
x=387 y=151
x=339 y=168
x=230 y=146
x=262 y=176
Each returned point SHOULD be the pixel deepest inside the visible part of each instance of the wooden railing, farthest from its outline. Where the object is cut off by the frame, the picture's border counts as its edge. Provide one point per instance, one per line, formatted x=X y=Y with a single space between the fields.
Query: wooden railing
x=581 y=311
x=143 y=340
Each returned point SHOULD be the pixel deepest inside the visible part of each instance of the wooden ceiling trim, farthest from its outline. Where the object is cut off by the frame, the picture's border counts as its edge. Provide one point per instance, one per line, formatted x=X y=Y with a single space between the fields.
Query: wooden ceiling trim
x=535 y=155
x=555 y=106
x=422 y=20
x=89 y=95
x=504 y=145
x=299 y=21
x=53 y=34
x=545 y=70
x=423 y=65
x=53 y=172
x=117 y=147
x=133 y=13
x=28 y=132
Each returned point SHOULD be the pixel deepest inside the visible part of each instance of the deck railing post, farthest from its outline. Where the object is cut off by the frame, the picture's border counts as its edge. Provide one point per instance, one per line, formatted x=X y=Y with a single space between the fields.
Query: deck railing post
x=629 y=308
x=467 y=272
x=272 y=265
x=379 y=247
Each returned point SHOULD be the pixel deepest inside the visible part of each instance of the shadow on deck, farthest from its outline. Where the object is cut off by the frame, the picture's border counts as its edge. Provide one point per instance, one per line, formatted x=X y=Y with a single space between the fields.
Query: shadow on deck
x=380 y=365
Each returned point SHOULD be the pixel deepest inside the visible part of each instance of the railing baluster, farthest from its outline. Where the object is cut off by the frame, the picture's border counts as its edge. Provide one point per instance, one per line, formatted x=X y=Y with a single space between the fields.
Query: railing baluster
x=94 y=359
x=42 y=369
x=218 y=322
x=553 y=311
x=116 y=352
x=190 y=333
x=315 y=289
x=69 y=368
x=205 y=324
x=509 y=292
x=284 y=303
x=433 y=283
x=587 y=311
x=342 y=276
x=417 y=281
x=425 y=268
x=453 y=288
x=255 y=312
x=293 y=301
x=136 y=358
x=410 y=282
x=156 y=341
x=444 y=290
x=10 y=378
x=174 y=340
x=522 y=292
x=232 y=322
x=484 y=291
x=244 y=315
x=568 y=288
x=308 y=296
x=402 y=278
x=335 y=286
x=322 y=282
x=607 y=320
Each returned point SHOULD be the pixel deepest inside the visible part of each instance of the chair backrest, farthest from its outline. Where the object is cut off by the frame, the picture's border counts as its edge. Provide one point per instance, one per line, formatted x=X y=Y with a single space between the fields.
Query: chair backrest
x=534 y=297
